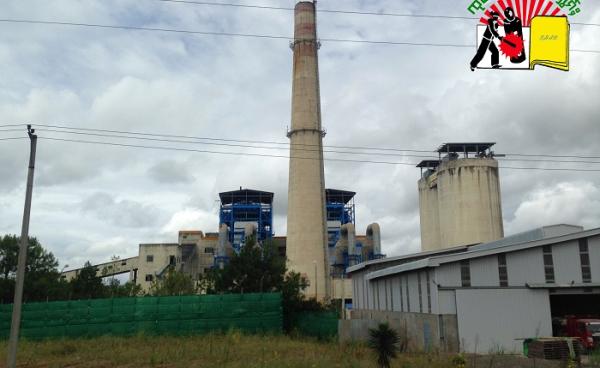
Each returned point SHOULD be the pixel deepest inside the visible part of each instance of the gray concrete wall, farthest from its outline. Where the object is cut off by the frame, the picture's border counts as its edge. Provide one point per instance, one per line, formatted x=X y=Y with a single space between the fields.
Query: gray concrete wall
x=420 y=331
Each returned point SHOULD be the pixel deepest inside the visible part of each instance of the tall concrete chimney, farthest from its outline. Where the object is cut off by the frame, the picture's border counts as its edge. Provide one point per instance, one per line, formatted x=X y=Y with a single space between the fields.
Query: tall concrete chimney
x=306 y=220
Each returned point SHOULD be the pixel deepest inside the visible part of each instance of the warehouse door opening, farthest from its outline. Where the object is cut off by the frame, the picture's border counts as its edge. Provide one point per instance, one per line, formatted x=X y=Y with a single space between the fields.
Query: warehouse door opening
x=562 y=306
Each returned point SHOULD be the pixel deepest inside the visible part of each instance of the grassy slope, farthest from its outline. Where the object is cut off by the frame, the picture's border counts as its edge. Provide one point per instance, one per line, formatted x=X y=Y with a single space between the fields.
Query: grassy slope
x=231 y=350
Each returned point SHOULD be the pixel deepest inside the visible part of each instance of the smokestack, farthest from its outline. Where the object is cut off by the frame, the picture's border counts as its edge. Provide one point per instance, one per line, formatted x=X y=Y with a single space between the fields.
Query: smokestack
x=306 y=226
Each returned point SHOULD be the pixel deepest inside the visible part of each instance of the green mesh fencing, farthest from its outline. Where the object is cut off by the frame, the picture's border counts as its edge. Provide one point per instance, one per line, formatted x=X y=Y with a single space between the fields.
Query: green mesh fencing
x=323 y=325
x=169 y=315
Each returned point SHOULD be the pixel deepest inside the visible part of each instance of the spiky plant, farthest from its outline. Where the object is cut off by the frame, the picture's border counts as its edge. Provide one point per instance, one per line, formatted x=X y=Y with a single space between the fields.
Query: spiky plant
x=384 y=341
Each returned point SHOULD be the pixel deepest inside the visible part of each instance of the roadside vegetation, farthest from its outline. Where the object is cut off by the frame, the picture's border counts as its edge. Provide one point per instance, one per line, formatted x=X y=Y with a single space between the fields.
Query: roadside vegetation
x=232 y=350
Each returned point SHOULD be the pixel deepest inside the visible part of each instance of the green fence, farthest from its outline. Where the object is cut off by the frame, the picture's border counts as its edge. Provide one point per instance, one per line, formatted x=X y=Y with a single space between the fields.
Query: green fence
x=323 y=325
x=168 y=315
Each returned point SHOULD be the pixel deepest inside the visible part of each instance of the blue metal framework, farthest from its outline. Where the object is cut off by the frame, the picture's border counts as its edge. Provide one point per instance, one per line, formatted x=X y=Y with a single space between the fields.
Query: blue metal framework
x=246 y=206
x=340 y=207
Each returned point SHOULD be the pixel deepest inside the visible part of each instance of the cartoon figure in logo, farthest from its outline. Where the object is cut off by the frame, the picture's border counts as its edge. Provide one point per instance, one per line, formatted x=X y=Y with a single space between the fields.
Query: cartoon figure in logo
x=513 y=27
x=487 y=43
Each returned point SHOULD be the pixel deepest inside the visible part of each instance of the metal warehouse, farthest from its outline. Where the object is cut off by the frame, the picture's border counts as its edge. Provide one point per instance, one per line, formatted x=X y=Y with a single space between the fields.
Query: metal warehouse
x=485 y=297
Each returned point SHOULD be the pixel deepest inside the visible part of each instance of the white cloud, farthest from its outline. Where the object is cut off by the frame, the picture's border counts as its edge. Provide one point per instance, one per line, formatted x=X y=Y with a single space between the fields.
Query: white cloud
x=574 y=203
x=373 y=95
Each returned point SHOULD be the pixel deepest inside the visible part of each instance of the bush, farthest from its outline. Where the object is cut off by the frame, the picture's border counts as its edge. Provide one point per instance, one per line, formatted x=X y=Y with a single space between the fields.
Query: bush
x=384 y=341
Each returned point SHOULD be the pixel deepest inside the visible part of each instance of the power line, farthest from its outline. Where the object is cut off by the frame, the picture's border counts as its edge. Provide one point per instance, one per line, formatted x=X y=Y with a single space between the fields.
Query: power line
x=221 y=152
x=288 y=157
x=229 y=144
x=11 y=138
x=287 y=144
x=123 y=134
x=298 y=149
x=338 y=11
x=249 y=35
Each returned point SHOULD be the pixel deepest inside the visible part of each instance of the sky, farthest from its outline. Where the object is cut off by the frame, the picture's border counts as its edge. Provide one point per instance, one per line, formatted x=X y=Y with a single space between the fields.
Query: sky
x=92 y=202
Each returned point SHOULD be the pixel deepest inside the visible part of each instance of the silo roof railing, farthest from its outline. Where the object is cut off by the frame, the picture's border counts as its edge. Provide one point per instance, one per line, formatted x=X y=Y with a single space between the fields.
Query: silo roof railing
x=476 y=147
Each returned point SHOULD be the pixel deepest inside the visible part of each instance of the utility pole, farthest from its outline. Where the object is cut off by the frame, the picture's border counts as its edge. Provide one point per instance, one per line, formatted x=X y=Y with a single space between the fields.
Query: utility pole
x=22 y=262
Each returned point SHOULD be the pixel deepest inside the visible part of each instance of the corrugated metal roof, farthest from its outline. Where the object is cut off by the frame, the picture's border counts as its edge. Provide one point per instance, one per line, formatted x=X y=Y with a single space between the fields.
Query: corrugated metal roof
x=482 y=251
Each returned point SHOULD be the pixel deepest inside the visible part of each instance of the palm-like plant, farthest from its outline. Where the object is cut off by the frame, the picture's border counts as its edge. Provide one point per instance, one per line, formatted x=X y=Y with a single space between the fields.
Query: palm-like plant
x=384 y=341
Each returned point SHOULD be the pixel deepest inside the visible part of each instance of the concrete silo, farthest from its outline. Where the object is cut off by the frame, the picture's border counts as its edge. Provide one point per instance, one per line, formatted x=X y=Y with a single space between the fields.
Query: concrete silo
x=465 y=185
x=306 y=220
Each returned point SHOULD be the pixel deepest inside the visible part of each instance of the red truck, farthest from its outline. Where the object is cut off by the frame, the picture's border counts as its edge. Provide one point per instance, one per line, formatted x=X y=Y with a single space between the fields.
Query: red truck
x=586 y=329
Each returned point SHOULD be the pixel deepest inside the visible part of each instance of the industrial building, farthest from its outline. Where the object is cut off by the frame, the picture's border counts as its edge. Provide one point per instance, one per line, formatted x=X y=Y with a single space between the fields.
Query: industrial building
x=244 y=213
x=459 y=197
x=482 y=298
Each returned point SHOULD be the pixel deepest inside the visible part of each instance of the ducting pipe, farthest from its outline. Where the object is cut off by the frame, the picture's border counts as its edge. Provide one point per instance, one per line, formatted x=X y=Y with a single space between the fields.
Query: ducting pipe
x=349 y=235
x=374 y=237
x=249 y=230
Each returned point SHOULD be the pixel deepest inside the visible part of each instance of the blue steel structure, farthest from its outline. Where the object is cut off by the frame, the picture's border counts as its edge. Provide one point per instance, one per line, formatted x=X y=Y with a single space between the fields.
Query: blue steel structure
x=240 y=207
x=340 y=210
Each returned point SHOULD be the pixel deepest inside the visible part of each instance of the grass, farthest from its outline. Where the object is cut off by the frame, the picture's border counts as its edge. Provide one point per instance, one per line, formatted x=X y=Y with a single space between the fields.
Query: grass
x=227 y=350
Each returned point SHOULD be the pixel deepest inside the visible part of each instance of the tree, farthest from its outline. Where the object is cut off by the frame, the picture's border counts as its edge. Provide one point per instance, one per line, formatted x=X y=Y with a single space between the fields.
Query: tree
x=115 y=289
x=260 y=268
x=384 y=341
x=174 y=283
x=87 y=285
x=42 y=278
x=255 y=269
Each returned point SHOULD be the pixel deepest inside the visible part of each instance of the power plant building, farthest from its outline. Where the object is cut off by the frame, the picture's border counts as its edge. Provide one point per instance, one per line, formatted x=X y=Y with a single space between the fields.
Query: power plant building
x=459 y=197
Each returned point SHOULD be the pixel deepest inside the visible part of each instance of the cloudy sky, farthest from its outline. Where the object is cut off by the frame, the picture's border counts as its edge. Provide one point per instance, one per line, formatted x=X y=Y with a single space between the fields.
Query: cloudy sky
x=91 y=202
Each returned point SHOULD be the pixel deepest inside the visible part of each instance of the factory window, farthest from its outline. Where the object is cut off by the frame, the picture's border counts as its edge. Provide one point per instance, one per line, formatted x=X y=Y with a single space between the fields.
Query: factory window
x=124 y=263
x=548 y=264
x=392 y=294
x=586 y=273
x=149 y=258
x=149 y=277
x=420 y=292
x=465 y=273
x=376 y=290
x=401 y=296
x=387 y=303
x=502 y=271
x=428 y=293
x=209 y=250
x=172 y=260
x=407 y=297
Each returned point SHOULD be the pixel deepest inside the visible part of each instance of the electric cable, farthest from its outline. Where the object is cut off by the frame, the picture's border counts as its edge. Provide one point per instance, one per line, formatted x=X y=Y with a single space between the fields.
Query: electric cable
x=352 y=12
x=287 y=157
x=287 y=144
x=229 y=144
x=249 y=35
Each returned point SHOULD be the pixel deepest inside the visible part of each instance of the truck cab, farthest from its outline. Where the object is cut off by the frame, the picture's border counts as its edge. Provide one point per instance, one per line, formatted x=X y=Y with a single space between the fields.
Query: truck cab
x=586 y=329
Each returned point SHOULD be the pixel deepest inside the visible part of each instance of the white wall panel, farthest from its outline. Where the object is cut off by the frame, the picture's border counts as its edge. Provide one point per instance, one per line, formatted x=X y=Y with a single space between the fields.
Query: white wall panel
x=567 y=262
x=484 y=271
x=525 y=266
x=448 y=274
x=492 y=320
